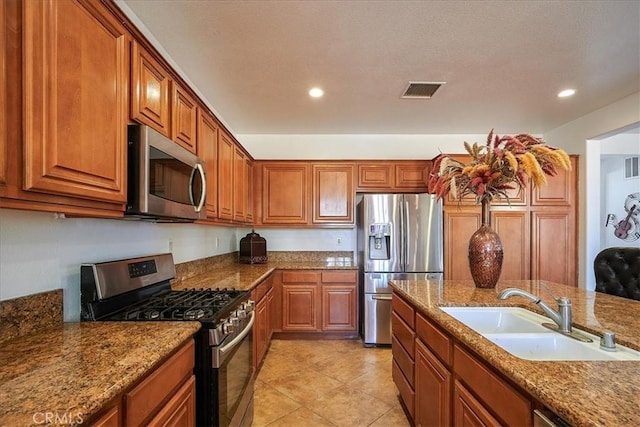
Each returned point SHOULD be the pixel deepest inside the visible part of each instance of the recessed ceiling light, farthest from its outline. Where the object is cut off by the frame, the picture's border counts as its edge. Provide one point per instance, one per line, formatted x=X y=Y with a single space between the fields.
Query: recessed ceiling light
x=316 y=92
x=565 y=93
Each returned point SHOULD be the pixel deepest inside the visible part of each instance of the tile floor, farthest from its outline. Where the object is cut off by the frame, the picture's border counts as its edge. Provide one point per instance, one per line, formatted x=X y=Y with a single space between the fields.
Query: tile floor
x=326 y=383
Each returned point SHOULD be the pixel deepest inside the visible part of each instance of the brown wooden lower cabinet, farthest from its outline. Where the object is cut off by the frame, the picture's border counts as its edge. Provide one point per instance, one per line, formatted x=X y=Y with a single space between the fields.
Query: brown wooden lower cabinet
x=468 y=412
x=263 y=326
x=165 y=397
x=433 y=389
x=110 y=419
x=450 y=384
x=322 y=301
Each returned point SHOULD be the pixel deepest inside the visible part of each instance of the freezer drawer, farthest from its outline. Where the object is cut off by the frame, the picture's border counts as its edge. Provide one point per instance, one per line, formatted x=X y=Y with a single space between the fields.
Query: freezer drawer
x=377 y=319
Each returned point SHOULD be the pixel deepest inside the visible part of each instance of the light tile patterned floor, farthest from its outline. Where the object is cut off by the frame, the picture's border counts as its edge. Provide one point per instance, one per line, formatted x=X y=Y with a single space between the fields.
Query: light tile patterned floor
x=326 y=383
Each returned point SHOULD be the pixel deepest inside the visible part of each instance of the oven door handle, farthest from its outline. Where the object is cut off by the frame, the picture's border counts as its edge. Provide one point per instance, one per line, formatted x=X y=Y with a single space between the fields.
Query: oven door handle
x=225 y=348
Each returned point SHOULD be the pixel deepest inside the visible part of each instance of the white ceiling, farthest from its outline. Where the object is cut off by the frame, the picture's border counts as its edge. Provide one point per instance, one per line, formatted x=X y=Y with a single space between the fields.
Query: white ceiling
x=503 y=61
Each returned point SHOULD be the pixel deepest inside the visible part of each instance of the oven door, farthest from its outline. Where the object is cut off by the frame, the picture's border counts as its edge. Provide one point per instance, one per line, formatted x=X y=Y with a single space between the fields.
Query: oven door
x=233 y=379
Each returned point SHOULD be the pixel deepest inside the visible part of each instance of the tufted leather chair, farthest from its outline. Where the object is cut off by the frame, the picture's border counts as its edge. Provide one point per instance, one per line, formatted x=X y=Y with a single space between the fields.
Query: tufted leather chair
x=618 y=272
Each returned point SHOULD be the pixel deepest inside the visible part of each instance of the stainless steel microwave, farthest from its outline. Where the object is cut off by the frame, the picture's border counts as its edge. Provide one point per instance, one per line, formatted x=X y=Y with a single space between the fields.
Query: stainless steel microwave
x=165 y=182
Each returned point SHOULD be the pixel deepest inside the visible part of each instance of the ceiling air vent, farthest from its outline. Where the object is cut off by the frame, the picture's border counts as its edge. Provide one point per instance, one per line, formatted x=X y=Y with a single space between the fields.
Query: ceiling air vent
x=423 y=90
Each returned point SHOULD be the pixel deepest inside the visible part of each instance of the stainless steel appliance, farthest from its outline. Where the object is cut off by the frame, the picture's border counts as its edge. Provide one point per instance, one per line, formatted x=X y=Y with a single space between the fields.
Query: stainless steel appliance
x=139 y=289
x=165 y=182
x=399 y=237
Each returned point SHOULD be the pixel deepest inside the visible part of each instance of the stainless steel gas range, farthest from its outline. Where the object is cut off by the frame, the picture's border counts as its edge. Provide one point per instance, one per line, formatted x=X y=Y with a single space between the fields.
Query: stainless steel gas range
x=139 y=289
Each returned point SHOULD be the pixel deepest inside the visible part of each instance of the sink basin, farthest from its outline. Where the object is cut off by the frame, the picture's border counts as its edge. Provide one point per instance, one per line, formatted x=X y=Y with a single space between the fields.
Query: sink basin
x=554 y=346
x=486 y=320
x=520 y=332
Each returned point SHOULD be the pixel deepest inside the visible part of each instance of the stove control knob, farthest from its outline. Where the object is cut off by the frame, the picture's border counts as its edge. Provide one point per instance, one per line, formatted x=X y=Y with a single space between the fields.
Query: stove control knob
x=241 y=314
x=228 y=327
x=235 y=321
x=248 y=306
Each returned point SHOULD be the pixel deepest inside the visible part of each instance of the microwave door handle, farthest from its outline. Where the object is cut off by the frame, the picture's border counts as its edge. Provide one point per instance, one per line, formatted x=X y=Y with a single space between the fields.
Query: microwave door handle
x=198 y=168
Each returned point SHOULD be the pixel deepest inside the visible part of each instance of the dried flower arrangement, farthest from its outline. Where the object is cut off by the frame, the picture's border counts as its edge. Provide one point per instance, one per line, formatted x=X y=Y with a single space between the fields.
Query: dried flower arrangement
x=504 y=163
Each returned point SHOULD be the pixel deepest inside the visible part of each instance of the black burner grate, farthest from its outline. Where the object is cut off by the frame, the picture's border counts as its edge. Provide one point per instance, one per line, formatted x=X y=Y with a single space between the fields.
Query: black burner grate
x=190 y=304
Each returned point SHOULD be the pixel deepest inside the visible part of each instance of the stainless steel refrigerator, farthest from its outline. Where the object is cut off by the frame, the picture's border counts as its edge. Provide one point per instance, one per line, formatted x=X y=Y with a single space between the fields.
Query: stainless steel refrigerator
x=399 y=237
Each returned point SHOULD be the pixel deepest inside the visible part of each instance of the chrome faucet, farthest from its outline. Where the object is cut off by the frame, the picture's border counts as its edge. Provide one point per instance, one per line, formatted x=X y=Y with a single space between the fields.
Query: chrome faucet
x=562 y=317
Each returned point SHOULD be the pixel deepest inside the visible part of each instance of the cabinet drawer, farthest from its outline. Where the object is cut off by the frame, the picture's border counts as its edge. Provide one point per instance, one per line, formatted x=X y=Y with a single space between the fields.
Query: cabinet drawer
x=141 y=402
x=299 y=277
x=404 y=310
x=262 y=289
x=339 y=276
x=403 y=333
x=505 y=402
x=406 y=392
x=434 y=339
x=403 y=359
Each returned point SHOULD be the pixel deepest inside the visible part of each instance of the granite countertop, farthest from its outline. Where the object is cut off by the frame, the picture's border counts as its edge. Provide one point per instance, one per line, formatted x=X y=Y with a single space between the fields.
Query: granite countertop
x=248 y=276
x=581 y=392
x=75 y=369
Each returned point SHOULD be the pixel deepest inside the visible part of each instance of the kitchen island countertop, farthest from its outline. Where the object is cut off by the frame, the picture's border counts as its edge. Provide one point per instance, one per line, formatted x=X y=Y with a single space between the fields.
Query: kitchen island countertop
x=75 y=369
x=581 y=392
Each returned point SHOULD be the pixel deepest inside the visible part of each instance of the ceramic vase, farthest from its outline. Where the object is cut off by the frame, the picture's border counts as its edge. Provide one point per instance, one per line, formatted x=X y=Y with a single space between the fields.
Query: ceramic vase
x=485 y=252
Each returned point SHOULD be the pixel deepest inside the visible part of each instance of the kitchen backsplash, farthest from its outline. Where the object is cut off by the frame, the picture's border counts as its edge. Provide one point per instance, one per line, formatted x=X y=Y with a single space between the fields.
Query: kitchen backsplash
x=24 y=315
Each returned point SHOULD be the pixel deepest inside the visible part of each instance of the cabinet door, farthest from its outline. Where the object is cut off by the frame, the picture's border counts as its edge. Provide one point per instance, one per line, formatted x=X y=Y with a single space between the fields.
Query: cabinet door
x=553 y=245
x=468 y=412
x=273 y=314
x=180 y=410
x=150 y=91
x=208 y=151
x=513 y=228
x=4 y=135
x=261 y=330
x=76 y=62
x=240 y=184
x=560 y=190
x=249 y=181
x=110 y=419
x=300 y=305
x=433 y=389
x=412 y=176
x=339 y=305
x=285 y=193
x=183 y=124
x=333 y=193
x=226 y=149
x=459 y=225
x=375 y=176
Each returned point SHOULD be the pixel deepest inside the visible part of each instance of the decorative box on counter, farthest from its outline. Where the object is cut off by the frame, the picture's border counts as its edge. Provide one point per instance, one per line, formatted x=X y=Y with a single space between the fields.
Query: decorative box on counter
x=253 y=249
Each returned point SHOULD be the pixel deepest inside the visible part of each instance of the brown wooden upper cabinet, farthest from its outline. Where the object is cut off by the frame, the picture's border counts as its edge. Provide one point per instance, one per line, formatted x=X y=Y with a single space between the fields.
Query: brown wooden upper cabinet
x=159 y=101
x=183 y=125
x=285 y=192
x=249 y=190
x=408 y=176
x=333 y=193
x=240 y=184
x=226 y=148
x=76 y=72
x=208 y=151
x=150 y=91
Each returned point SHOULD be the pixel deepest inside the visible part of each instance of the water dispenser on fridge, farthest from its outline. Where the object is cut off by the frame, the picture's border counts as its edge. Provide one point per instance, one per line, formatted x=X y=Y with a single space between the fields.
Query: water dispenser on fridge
x=379 y=241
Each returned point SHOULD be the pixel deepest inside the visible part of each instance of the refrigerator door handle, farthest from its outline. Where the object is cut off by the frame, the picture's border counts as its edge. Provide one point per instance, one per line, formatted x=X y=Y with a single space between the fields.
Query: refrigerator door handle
x=405 y=233
x=382 y=297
